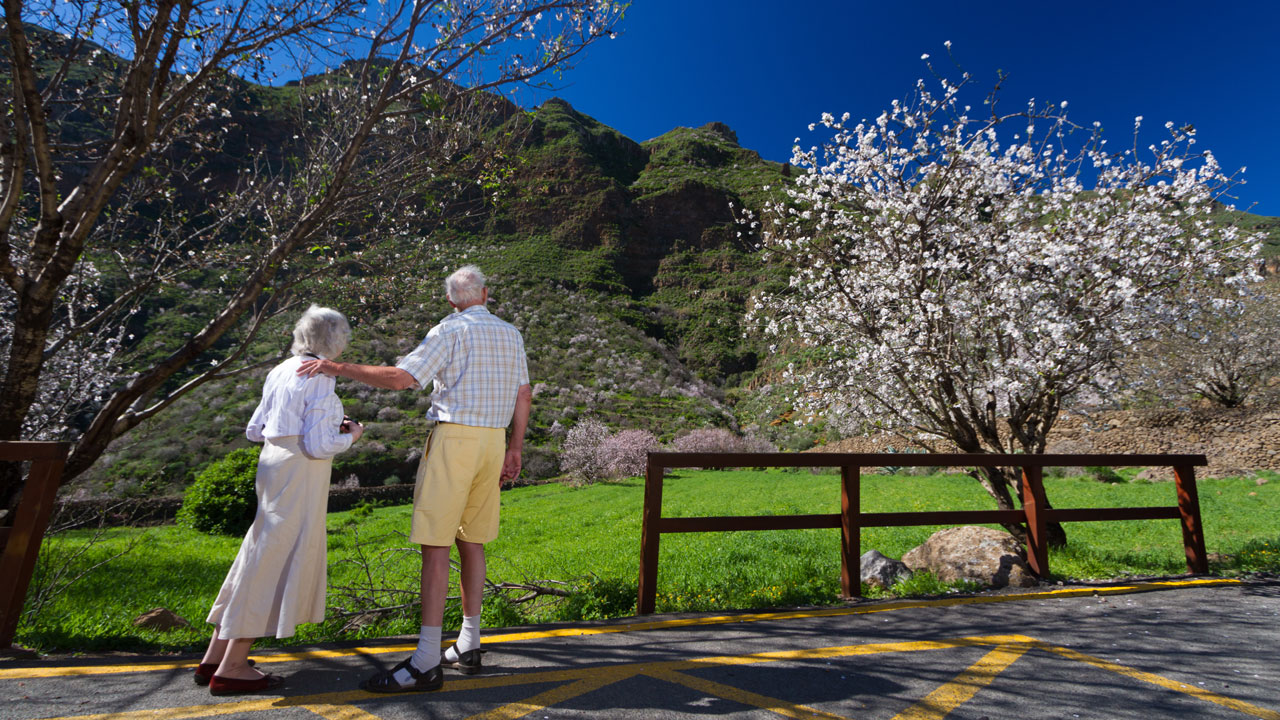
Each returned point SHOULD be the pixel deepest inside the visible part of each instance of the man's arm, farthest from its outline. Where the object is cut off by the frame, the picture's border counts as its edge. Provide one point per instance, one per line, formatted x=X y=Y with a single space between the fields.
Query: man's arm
x=519 y=423
x=379 y=376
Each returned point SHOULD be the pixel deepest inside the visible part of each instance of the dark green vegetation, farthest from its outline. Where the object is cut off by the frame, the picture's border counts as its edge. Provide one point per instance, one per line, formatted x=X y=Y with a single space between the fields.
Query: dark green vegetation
x=222 y=499
x=588 y=538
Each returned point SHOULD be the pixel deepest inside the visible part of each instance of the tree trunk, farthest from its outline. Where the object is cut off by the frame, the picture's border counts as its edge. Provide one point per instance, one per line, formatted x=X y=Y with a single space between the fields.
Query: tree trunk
x=997 y=482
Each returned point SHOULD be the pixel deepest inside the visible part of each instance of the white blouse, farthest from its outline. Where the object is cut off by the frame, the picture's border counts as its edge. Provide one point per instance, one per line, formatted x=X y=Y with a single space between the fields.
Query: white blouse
x=293 y=405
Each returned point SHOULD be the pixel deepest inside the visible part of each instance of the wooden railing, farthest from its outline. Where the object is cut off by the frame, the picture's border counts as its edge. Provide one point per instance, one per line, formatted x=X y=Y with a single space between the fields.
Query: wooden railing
x=1034 y=515
x=20 y=541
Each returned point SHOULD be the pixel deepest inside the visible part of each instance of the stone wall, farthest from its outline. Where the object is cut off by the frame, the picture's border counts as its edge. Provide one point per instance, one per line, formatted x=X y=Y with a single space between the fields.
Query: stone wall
x=1235 y=441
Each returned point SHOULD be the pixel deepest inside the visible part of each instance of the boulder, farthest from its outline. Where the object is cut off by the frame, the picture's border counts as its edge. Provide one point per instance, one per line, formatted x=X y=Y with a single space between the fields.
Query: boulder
x=992 y=558
x=160 y=619
x=881 y=571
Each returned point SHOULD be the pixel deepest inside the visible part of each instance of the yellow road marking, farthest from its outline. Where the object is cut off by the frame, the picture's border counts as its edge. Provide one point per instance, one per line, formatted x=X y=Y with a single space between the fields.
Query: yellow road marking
x=42 y=672
x=841 y=651
x=744 y=697
x=937 y=704
x=578 y=681
x=551 y=697
x=572 y=678
x=341 y=712
x=1164 y=682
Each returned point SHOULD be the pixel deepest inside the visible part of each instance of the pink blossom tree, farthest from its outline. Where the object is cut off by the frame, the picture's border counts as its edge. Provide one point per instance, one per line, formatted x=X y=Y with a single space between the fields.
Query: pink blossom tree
x=962 y=273
x=591 y=452
x=626 y=452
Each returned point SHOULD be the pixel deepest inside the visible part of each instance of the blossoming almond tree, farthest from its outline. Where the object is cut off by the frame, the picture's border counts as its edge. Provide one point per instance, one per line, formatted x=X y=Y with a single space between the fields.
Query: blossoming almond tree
x=104 y=146
x=961 y=274
x=1228 y=357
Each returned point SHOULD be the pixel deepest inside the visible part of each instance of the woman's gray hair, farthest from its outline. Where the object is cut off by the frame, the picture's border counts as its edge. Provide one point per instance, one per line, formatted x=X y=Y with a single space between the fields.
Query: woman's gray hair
x=465 y=286
x=321 y=331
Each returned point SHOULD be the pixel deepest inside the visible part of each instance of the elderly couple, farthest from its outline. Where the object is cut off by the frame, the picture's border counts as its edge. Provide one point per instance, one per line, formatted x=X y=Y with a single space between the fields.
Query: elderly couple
x=481 y=385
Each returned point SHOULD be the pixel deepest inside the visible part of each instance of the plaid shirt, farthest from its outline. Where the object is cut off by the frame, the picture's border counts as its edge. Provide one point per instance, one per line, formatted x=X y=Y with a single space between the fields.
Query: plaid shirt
x=477 y=363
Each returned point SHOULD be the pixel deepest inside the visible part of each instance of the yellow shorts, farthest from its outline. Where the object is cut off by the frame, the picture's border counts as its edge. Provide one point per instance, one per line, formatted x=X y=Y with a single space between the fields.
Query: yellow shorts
x=459 y=479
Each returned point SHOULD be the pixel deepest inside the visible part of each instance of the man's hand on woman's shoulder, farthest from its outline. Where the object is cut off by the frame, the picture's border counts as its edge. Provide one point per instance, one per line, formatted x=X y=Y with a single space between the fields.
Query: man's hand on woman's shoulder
x=312 y=367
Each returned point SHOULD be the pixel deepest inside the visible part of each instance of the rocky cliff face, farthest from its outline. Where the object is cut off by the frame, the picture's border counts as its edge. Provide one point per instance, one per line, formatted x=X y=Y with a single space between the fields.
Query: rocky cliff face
x=587 y=186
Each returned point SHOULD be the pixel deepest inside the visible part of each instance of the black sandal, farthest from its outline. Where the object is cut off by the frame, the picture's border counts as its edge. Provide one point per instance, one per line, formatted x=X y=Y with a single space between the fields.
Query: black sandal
x=385 y=681
x=468 y=663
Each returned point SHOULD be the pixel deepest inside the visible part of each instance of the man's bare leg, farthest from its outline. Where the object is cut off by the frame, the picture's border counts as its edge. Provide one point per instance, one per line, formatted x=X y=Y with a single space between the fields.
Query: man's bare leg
x=434 y=590
x=471 y=556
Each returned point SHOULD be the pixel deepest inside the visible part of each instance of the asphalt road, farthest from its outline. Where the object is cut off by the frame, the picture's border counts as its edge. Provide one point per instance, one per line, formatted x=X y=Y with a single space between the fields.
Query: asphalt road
x=1181 y=649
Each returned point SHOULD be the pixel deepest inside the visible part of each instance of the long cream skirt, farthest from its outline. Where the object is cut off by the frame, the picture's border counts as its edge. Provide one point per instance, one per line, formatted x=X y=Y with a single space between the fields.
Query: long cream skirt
x=278 y=577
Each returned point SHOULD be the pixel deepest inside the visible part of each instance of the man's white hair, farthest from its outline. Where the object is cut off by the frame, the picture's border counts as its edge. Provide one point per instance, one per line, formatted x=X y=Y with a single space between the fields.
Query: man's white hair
x=465 y=286
x=321 y=331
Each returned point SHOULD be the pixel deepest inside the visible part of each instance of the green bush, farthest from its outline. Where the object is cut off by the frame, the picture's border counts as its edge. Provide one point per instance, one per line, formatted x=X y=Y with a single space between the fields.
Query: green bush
x=223 y=500
x=1104 y=474
x=601 y=598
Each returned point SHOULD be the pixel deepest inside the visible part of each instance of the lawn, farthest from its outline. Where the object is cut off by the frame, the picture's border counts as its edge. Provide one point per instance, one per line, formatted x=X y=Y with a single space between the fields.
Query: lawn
x=586 y=540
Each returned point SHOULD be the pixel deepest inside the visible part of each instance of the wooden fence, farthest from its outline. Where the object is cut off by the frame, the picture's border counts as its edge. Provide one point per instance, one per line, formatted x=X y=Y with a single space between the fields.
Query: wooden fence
x=1034 y=514
x=20 y=541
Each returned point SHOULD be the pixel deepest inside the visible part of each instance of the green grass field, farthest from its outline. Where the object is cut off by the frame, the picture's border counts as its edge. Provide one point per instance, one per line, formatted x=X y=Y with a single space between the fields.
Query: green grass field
x=589 y=539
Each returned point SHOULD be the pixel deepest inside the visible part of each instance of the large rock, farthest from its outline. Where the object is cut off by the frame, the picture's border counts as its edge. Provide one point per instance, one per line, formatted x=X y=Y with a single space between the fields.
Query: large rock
x=881 y=571
x=161 y=619
x=990 y=557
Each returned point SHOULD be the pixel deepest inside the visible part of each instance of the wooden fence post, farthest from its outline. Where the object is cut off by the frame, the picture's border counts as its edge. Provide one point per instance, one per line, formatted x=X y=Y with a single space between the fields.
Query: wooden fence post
x=22 y=544
x=1192 y=531
x=647 y=592
x=850 y=531
x=1033 y=506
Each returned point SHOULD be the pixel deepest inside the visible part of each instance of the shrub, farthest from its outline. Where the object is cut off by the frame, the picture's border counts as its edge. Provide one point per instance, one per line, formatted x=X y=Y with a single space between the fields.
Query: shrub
x=223 y=500
x=599 y=599
x=1105 y=474
x=389 y=414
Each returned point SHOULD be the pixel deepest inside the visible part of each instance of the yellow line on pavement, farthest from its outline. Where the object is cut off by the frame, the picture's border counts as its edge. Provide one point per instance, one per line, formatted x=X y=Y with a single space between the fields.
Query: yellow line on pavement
x=554 y=696
x=341 y=712
x=1164 y=682
x=744 y=697
x=44 y=672
x=570 y=678
x=939 y=703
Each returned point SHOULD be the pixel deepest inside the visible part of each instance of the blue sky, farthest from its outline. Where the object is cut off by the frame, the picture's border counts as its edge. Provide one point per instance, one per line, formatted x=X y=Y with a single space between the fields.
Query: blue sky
x=769 y=68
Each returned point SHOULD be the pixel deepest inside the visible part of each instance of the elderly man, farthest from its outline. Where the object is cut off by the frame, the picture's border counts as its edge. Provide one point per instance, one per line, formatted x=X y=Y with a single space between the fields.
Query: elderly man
x=481 y=385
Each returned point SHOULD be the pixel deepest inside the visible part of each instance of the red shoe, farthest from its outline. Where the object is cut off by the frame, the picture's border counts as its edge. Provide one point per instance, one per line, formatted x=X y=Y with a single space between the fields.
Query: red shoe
x=204 y=671
x=219 y=685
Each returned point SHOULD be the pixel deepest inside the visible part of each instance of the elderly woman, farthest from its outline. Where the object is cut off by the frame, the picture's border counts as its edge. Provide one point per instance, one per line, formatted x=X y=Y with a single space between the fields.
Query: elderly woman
x=278 y=577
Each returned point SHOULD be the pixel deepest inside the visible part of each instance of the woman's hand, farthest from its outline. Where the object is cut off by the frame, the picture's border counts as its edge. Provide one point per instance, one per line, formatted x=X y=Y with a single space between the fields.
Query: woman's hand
x=352 y=426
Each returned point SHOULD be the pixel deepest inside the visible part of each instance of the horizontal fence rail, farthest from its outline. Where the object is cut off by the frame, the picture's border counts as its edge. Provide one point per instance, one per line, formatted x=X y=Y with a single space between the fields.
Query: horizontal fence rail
x=20 y=541
x=1035 y=514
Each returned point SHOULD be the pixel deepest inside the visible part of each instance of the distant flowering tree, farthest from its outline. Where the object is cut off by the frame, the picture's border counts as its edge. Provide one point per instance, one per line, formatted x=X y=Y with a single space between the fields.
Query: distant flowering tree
x=962 y=274
x=1226 y=357
x=626 y=452
x=707 y=440
x=580 y=454
x=591 y=452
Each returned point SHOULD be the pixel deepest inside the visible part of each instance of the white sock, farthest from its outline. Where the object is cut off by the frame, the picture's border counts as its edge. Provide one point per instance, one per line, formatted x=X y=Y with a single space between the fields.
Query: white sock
x=425 y=657
x=468 y=638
